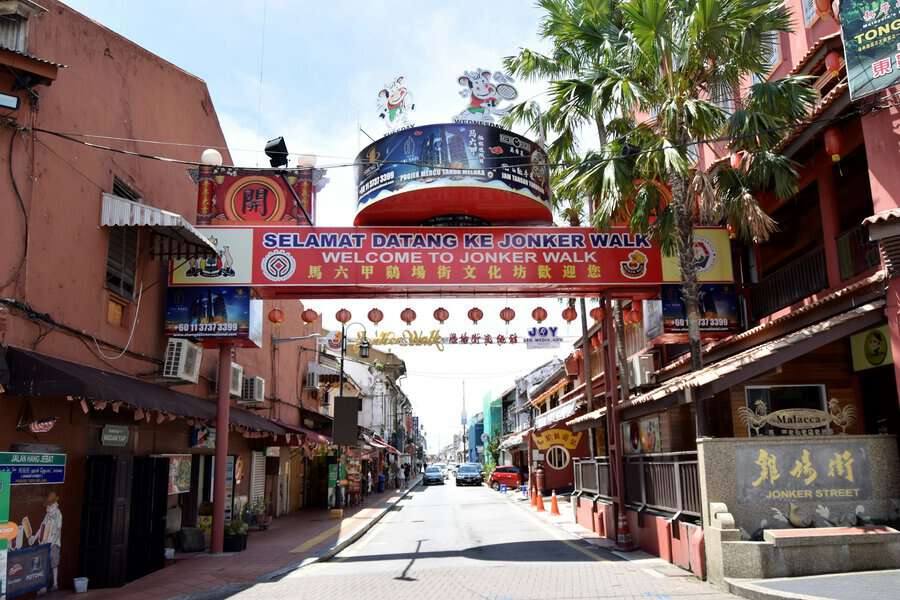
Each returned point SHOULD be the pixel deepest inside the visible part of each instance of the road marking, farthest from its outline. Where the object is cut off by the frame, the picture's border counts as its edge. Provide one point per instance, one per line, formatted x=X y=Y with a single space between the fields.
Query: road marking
x=315 y=541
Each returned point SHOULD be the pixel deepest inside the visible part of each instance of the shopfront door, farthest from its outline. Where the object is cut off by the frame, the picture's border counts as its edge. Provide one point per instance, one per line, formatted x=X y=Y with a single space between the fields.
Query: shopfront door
x=105 y=520
x=147 y=531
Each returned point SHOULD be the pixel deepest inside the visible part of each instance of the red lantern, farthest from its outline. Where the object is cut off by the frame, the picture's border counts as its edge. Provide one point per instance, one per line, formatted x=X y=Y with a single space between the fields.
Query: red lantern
x=475 y=315
x=408 y=315
x=343 y=316
x=309 y=316
x=539 y=314
x=375 y=316
x=823 y=7
x=569 y=314
x=598 y=313
x=276 y=316
x=507 y=314
x=441 y=314
x=833 y=143
x=833 y=62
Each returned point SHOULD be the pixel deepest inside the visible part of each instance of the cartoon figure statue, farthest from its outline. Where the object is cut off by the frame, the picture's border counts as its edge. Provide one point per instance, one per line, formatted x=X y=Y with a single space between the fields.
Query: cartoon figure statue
x=484 y=96
x=394 y=105
x=49 y=532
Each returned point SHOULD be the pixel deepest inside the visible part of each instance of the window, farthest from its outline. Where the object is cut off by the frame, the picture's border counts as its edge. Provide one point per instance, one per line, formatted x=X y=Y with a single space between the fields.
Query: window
x=558 y=457
x=121 y=257
x=809 y=12
x=14 y=32
x=771 y=399
x=772 y=43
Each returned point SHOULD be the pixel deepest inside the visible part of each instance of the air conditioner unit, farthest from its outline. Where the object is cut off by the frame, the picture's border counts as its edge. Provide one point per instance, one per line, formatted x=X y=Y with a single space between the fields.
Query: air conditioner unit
x=311 y=381
x=254 y=390
x=182 y=360
x=237 y=381
x=642 y=370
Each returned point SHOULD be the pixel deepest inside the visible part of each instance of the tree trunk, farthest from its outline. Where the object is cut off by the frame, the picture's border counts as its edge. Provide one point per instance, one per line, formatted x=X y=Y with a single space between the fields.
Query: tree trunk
x=684 y=223
x=624 y=375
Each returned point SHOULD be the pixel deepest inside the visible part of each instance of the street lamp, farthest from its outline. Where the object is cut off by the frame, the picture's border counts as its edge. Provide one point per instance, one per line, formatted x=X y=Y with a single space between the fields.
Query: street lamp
x=362 y=348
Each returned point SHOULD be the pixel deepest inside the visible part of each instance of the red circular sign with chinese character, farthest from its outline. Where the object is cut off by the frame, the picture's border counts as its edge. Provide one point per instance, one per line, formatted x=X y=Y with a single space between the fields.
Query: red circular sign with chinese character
x=255 y=199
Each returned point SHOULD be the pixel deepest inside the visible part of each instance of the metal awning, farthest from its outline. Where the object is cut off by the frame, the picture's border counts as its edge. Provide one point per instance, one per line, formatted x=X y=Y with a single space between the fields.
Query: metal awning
x=34 y=374
x=755 y=361
x=550 y=391
x=175 y=236
x=380 y=443
x=515 y=439
x=588 y=420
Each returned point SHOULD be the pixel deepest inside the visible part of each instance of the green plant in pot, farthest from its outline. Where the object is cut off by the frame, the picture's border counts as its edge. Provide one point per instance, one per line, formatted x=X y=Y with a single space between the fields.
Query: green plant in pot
x=235 y=536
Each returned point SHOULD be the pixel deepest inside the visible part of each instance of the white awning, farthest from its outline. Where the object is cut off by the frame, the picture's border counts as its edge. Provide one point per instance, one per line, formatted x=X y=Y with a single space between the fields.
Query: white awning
x=175 y=236
x=513 y=440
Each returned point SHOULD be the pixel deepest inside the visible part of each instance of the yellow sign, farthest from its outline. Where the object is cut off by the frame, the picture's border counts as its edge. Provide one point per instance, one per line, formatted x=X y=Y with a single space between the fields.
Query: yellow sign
x=406 y=338
x=871 y=348
x=557 y=437
x=8 y=530
x=712 y=255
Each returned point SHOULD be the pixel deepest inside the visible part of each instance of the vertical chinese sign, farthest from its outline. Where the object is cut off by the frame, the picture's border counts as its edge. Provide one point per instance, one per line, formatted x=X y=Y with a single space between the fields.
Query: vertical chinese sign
x=871 y=34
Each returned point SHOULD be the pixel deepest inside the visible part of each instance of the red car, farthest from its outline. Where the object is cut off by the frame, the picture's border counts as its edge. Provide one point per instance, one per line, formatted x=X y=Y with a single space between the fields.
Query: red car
x=510 y=476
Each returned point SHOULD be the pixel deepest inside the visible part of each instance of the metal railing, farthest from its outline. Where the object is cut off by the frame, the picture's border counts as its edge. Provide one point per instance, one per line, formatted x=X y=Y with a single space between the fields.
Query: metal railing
x=555 y=414
x=796 y=280
x=592 y=475
x=855 y=252
x=667 y=481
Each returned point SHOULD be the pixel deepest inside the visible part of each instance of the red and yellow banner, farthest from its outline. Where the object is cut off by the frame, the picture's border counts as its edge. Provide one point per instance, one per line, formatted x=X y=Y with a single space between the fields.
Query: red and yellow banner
x=384 y=261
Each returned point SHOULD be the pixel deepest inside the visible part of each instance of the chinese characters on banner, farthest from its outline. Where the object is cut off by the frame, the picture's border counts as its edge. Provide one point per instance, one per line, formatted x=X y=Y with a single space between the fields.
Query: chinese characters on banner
x=871 y=37
x=797 y=472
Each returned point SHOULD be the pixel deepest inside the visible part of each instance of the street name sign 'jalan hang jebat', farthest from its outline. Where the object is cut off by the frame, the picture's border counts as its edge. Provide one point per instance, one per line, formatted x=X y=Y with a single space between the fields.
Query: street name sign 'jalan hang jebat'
x=400 y=261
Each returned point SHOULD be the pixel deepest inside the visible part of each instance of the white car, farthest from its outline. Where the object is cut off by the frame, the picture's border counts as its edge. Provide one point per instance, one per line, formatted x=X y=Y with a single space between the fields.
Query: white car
x=443 y=469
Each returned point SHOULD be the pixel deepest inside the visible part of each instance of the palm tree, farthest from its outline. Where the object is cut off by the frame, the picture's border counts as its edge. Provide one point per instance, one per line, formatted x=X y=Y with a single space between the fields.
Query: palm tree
x=675 y=60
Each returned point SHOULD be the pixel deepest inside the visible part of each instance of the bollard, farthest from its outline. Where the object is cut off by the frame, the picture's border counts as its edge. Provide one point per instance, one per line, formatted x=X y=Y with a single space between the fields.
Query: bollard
x=554 y=506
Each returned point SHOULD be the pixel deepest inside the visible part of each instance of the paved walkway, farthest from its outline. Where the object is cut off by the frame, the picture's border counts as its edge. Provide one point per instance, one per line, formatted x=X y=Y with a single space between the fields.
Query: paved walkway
x=883 y=585
x=302 y=537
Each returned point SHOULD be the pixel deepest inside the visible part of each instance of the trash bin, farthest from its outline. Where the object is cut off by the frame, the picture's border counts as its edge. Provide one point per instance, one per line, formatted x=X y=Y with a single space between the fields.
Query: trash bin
x=380 y=482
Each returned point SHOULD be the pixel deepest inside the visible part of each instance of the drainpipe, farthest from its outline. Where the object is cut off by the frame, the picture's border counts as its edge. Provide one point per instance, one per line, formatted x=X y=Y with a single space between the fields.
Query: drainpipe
x=223 y=406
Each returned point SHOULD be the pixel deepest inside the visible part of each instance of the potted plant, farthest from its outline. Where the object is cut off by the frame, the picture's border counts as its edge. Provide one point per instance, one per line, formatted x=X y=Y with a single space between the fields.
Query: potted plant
x=259 y=514
x=235 y=536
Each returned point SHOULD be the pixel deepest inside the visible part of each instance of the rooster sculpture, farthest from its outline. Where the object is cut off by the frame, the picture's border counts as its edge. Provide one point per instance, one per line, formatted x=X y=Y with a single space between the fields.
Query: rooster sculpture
x=842 y=417
x=755 y=418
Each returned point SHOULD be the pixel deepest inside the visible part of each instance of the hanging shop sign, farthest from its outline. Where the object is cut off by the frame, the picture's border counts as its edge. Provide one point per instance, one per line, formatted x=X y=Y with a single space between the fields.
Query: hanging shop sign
x=797 y=421
x=114 y=435
x=391 y=261
x=411 y=175
x=712 y=258
x=214 y=312
x=642 y=436
x=203 y=437
x=543 y=337
x=871 y=348
x=838 y=471
x=871 y=32
x=718 y=309
x=28 y=468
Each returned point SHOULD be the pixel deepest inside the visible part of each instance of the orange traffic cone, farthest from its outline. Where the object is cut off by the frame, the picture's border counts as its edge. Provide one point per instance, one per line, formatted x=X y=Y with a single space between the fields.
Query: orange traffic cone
x=533 y=496
x=539 y=502
x=554 y=506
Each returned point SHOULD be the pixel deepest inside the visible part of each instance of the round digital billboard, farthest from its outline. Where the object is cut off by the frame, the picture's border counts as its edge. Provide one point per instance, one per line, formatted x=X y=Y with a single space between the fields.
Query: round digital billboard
x=459 y=169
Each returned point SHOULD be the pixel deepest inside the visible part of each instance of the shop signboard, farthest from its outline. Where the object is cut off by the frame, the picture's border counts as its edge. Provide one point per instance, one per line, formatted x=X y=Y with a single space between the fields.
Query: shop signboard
x=543 y=337
x=114 y=435
x=815 y=472
x=642 y=436
x=250 y=196
x=453 y=155
x=719 y=311
x=871 y=35
x=203 y=437
x=213 y=312
x=386 y=261
x=29 y=468
x=871 y=348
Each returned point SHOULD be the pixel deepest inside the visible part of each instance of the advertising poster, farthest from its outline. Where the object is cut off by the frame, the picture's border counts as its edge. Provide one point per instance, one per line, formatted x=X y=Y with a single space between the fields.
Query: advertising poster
x=462 y=154
x=179 y=474
x=642 y=436
x=28 y=570
x=719 y=310
x=871 y=35
x=712 y=257
x=871 y=348
x=30 y=468
x=212 y=312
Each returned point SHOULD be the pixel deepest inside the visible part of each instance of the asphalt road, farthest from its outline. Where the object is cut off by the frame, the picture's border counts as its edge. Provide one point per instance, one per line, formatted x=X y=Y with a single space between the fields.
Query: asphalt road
x=448 y=542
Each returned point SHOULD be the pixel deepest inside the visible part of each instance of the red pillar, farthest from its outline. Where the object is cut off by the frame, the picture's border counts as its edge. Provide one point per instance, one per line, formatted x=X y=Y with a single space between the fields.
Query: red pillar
x=205 y=188
x=224 y=383
x=828 y=208
x=892 y=312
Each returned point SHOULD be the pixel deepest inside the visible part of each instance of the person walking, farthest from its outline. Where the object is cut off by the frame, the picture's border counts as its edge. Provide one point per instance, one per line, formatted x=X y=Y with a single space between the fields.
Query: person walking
x=401 y=478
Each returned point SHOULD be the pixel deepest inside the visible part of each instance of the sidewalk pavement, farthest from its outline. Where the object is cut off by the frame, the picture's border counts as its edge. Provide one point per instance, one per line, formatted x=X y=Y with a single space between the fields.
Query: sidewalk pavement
x=883 y=585
x=296 y=540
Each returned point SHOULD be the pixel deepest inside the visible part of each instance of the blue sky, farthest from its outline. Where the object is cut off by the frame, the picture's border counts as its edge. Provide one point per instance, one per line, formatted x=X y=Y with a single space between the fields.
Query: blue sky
x=322 y=66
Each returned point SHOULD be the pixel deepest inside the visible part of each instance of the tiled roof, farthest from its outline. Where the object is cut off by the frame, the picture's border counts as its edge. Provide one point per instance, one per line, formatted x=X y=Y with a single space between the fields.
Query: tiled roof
x=833 y=39
x=883 y=216
x=827 y=100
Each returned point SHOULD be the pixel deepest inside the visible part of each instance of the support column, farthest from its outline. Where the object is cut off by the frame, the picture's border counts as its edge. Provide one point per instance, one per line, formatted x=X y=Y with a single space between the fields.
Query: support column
x=892 y=312
x=588 y=384
x=828 y=209
x=222 y=419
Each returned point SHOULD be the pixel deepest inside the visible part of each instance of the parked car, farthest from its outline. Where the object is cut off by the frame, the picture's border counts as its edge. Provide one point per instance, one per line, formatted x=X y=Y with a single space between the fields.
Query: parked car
x=509 y=475
x=433 y=475
x=443 y=468
x=469 y=474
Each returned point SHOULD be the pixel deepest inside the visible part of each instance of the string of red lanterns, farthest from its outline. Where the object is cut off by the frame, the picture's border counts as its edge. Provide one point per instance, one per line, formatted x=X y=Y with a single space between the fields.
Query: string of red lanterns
x=309 y=316
x=598 y=313
x=441 y=314
x=475 y=315
x=408 y=316
x=276 y=316
x=539 y=314
x=569 y=314
x=343 y=316
x=376 y=316
x=507 y=314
